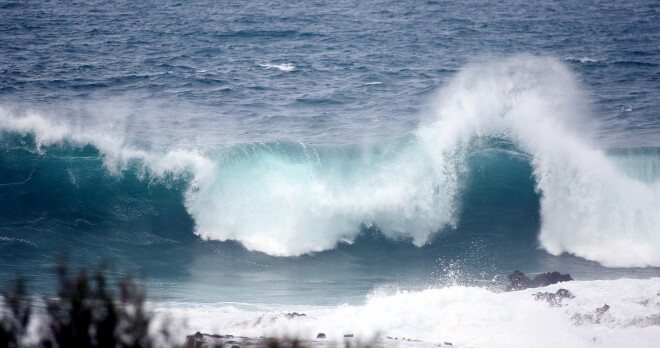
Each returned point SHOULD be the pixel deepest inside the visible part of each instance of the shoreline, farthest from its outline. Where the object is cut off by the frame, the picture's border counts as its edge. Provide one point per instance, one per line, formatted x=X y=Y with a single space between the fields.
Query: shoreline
x=201 y=340
x=572 y=313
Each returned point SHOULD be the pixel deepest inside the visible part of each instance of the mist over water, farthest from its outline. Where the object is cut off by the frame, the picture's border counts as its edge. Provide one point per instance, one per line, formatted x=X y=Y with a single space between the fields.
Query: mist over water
x=387 y=159
x=289 y=199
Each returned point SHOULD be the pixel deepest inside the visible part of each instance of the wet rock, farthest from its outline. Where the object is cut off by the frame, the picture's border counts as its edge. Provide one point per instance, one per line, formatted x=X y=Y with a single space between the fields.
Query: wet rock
x=206 y=340
x=545 y=279
x=600 y=311
x=595 y=318
x=191 y=340
x=320 y=335
x=564 y=293
x=554 y=299
x=519 y=281
x=294 y=315
x=653 y=320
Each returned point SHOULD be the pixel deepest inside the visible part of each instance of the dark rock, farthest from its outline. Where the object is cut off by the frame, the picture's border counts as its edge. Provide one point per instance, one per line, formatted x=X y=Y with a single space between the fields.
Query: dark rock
x=448 y=344
x=320 y=335
x=554 y=299
x=203 y=340
x=294 y=315
x=653 y=320
x=348 y=335
x=190 y=342
x=519 y=281
x=545 y=279
x=600 y=311
x=564 y=293
x=580 y=319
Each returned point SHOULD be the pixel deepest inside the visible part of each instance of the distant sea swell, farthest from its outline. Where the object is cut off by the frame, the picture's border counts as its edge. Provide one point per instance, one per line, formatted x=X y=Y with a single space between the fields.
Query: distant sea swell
x=525 y=114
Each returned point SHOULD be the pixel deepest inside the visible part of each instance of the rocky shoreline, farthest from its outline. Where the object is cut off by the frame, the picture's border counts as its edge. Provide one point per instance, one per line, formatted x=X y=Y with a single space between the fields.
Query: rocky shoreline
x=200 y=340
x=517 y=281
x=597 y=313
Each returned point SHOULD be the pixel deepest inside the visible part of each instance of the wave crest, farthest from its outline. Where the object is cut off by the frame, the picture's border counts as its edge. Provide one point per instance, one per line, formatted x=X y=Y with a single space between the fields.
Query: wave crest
x=588 y=206
x=289 y=199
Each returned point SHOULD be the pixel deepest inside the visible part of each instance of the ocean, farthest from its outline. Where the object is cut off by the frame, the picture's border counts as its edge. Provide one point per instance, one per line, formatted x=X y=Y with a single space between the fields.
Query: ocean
x=379 y=165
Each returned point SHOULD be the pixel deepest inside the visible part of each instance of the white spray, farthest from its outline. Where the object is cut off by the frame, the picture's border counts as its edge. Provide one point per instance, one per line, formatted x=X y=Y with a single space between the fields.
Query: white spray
x=290 y=205
x=588 y=206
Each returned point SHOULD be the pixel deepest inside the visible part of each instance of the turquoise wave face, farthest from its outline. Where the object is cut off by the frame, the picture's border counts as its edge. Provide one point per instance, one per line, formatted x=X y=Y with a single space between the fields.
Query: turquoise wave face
x=65 y=198
x=505 y=172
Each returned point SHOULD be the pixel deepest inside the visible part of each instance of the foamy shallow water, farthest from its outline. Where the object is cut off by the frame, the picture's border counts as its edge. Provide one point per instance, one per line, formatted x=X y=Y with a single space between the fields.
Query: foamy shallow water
x=293 y=156
x=464 y=316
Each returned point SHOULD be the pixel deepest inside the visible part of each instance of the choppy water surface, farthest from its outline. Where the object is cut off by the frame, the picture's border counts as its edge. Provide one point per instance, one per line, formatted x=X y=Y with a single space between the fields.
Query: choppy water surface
x=256 y=156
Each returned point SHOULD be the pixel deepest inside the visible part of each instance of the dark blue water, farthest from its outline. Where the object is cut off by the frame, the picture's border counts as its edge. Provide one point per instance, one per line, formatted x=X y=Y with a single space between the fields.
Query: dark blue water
x=275 y=148
x=159 y=68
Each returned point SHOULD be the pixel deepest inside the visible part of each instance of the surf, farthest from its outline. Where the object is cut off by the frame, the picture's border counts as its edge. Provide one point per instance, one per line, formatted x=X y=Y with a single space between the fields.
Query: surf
x=291 y=199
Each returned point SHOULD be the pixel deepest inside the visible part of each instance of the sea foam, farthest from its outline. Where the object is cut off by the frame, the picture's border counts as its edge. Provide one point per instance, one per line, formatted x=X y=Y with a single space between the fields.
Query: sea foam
x=289 y=199
x=463 y=316
x=588 y=206
x=282 y=67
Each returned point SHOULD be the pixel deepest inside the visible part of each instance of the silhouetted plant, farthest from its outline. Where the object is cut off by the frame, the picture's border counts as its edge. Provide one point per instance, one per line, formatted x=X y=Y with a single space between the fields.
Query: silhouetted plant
x=18 y=307
x=86 y=314
x=134 y=318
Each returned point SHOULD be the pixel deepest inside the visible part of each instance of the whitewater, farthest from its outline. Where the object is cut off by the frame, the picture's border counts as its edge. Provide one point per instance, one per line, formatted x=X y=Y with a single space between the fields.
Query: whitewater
x=461 y=315
x=292 y=199
x=379 y=166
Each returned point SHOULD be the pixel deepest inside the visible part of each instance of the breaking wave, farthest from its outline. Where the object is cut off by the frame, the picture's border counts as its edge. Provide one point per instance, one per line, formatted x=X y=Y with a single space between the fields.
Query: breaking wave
x=289 y=199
